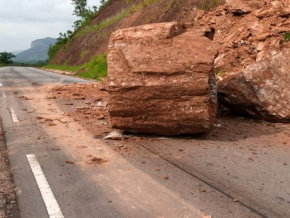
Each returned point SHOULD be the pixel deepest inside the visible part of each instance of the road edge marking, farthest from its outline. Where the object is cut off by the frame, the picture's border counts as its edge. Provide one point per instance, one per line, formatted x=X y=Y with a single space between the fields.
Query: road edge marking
x=48 y=197
x=14 y=116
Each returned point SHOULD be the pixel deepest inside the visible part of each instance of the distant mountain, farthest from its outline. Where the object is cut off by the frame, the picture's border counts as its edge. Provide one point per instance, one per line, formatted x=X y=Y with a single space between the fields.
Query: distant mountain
x=37 y=52
x=17 y=52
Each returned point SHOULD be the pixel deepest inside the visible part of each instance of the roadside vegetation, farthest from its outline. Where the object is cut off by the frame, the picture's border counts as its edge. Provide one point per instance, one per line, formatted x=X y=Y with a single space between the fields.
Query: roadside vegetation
x=84 y=15
x=96 y=68
x=30 y=64
x=6 y=58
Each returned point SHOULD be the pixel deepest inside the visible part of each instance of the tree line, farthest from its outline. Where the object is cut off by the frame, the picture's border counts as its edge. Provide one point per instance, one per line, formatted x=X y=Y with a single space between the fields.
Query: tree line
x=84 y=13
x=6 y=58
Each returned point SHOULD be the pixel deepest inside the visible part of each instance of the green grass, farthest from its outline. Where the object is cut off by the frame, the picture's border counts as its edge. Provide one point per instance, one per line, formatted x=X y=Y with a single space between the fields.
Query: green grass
x=63 y=67
x=208 y=4
x=125 y=13
x=287 y=37
x=145 y=3
x=96 y=68
x=83 y=54
x=219 y=73
x=106 y=23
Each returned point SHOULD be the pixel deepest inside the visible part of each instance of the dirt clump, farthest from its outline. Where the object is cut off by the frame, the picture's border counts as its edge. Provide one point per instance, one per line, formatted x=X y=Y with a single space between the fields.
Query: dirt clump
x=97 y=161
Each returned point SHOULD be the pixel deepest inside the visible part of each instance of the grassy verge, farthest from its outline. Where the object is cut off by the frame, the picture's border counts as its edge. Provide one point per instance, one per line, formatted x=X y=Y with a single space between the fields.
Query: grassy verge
x=96 y=68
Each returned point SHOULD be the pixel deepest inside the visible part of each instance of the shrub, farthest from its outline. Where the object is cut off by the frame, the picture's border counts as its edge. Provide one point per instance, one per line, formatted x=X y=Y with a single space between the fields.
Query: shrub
x=287 y=37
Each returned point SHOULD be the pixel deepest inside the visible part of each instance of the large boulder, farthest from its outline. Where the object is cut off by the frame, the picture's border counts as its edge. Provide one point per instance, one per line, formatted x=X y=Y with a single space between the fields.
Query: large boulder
x=161 y=80
x=261 y=90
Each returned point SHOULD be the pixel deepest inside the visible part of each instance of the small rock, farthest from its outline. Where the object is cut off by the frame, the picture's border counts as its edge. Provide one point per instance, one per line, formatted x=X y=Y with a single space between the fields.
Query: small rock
x=115 y=135
x=70 y=162
x=55 y=149
x=202 y=190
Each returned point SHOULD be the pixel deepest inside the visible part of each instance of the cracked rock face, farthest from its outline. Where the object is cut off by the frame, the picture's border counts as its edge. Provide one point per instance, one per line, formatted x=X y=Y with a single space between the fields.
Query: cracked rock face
x=261 y=90
x=161 y=80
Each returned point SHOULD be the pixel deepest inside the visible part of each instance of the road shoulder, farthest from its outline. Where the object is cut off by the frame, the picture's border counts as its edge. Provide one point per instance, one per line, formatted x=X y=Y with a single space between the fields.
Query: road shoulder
x=8 y=205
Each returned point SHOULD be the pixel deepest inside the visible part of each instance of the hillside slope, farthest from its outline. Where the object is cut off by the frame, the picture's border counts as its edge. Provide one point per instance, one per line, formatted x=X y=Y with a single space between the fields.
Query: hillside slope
x=92 y=40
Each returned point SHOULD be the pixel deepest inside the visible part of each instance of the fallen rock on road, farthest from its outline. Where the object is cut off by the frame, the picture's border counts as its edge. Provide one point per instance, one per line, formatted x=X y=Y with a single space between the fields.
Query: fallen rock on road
x=161 y=80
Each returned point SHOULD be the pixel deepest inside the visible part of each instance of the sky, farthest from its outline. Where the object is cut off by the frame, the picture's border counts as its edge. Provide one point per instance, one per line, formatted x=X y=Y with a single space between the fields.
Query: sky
x=22 y=21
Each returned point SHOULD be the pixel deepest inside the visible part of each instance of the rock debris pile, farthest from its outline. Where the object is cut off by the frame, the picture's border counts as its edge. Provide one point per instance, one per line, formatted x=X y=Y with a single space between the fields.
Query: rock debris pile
x=252 y=67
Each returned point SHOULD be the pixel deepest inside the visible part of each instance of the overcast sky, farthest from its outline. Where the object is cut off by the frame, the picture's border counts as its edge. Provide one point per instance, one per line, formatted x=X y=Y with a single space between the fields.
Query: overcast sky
x=22 y=21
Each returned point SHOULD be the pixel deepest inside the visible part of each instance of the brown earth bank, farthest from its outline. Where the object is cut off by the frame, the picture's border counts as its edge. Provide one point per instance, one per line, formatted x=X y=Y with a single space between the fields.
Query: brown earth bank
x=8 y=205
x=88 y=43
x=247 y=31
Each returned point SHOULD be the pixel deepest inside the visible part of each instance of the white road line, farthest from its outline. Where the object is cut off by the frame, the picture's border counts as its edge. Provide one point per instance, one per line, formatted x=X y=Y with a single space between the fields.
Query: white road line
x=50 y=202
x=13 y=115
x=2 y=91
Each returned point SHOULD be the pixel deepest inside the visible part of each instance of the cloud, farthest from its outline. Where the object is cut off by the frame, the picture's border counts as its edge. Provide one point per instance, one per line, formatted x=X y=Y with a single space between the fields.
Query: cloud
x=23 y=21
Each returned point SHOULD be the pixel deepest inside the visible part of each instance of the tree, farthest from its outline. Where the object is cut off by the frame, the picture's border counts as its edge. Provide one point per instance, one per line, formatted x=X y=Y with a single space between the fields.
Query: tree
x=80 y=8
x=5 y=57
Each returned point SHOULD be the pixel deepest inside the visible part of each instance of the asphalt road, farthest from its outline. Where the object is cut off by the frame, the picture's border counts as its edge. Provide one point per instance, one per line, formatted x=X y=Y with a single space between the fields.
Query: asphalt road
x=126 y=186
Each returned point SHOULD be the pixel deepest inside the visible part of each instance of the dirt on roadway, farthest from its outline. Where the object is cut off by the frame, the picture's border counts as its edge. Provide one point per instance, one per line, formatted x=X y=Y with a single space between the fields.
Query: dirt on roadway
x=240 y=166
x=238 y=149
x=87 y=104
